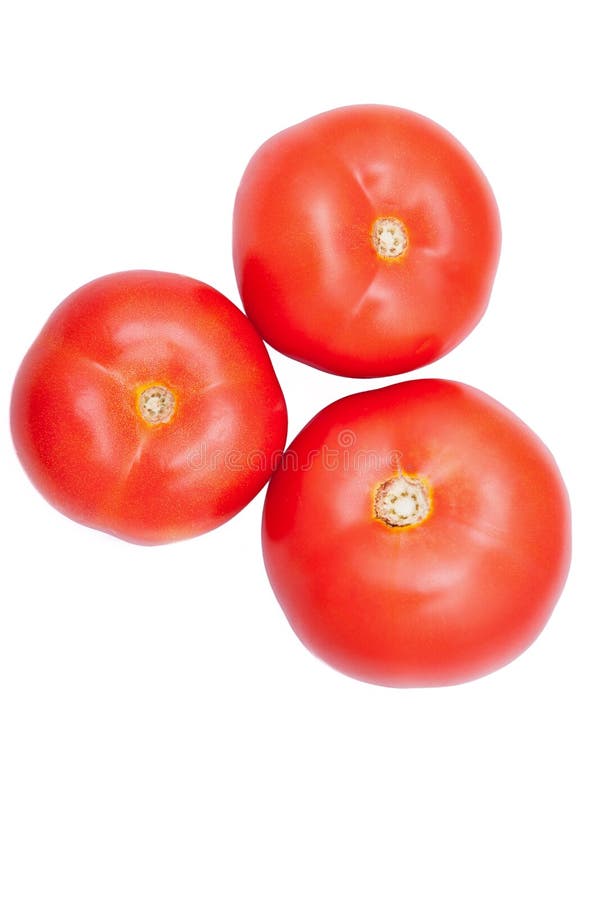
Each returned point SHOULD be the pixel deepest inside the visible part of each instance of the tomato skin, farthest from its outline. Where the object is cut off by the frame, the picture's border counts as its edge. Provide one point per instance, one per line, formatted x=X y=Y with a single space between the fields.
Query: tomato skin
x=441 y=602
x=82 y=441
x=307 y=271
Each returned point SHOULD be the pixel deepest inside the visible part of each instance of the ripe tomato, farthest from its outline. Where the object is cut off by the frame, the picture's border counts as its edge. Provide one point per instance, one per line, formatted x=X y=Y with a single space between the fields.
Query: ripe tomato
x=417 y=534
x=130 y=412
x=365 y=241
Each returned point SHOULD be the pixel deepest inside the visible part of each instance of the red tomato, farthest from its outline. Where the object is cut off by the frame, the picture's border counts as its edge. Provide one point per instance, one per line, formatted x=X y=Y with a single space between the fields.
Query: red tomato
x=365 y=241
x=417 y=534
x=148 y=408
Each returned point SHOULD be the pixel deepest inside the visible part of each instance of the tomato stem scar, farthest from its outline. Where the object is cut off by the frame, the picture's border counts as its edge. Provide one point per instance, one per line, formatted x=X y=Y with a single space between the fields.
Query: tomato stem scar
x=389 y=237
x=402 y=500
x=156 y=404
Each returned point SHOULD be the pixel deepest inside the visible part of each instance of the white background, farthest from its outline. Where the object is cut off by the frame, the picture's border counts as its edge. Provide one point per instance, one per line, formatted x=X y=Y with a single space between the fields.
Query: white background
x=163 y=732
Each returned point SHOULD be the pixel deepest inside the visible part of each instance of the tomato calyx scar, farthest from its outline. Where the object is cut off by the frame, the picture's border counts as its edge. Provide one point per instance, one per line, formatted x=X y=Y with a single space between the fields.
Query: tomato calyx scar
x=156 y=404
x=389 y=237
x=402 y=501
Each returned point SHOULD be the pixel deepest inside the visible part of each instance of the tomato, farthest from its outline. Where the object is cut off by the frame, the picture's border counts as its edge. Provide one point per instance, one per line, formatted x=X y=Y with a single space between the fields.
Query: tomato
x=365 y=241
x=130 y=412
x=417 y=534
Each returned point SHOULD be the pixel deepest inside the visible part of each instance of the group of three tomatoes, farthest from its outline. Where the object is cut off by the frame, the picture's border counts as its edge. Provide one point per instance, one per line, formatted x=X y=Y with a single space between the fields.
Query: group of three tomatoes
x=414 y=535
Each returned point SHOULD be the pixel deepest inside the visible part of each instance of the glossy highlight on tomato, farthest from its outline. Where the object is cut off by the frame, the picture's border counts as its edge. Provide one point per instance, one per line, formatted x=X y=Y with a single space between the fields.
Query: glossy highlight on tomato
x=148 y=408
x=417 y=535
x=365 y=241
